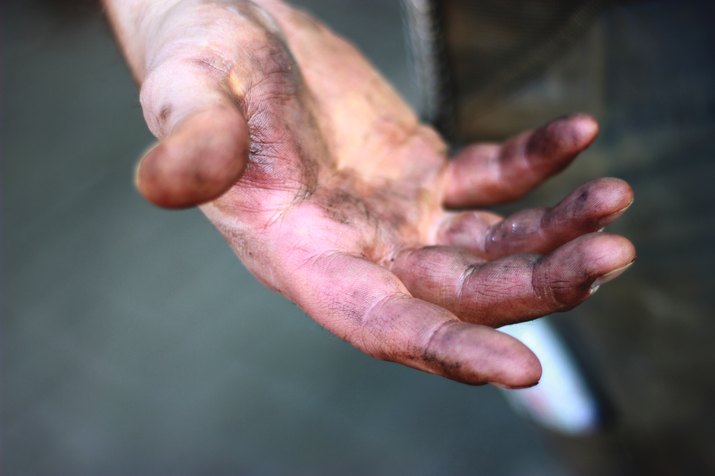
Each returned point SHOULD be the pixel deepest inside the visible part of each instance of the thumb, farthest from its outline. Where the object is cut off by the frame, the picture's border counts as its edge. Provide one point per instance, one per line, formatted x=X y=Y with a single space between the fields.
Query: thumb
x=203 y=146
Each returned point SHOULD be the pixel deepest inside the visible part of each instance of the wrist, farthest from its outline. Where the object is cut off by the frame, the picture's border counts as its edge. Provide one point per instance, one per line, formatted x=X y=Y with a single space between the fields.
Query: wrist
x=143 y=31
x=132 y=22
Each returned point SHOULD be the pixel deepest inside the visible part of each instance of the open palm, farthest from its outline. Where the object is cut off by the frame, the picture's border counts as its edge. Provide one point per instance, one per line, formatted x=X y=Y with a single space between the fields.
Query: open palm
x=332 y=193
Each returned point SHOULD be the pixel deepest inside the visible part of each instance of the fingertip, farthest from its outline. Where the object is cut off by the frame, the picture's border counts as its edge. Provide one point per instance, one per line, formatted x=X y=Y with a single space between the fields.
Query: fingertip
x=521 y=370
x=574 y=271
x=562 y=139
x=479 y=355
x=615 y=198
x=585 y=127
x=595 y=204
x=616 y=187
x=605 y=257
x=198 y=162
x=592 y=256
x=607 y=252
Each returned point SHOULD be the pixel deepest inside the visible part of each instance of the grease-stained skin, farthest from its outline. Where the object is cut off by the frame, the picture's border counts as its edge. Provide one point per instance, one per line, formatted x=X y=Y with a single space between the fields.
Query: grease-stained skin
x=332 y=193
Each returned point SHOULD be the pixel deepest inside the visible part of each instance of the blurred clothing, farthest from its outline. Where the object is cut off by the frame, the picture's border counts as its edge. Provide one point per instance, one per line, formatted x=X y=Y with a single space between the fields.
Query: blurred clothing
x=646 y=70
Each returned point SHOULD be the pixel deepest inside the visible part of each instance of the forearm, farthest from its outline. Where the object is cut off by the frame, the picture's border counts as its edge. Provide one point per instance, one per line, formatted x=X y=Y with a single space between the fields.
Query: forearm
x=134 y=23
x=143 y=32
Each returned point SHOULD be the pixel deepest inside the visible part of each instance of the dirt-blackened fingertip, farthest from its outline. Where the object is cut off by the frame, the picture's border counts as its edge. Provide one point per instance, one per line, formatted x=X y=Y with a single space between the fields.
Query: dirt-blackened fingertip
x=603 y=200
x=562 y=139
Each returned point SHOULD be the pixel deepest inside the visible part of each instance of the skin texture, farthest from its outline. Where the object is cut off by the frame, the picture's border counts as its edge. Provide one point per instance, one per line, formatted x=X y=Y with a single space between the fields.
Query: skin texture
x=331 y=192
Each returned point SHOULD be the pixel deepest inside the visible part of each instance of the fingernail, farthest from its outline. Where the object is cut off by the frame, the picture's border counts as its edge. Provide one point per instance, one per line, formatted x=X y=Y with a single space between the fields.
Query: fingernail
x=140 y=162
x=136 y=174
x=623 y=210
x=611 y=275
x=504 y=386
x=615 y=215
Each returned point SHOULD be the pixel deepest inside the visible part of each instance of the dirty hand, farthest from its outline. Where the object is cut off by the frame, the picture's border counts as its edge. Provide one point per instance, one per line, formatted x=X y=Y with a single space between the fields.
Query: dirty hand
x=332 y=193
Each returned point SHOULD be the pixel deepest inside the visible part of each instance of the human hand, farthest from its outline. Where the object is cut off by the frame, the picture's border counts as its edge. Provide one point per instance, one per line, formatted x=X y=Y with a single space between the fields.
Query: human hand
x=332 y=193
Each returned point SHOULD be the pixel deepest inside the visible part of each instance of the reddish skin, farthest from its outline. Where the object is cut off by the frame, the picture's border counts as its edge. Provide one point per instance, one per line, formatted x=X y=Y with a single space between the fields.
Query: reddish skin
x=332 y=193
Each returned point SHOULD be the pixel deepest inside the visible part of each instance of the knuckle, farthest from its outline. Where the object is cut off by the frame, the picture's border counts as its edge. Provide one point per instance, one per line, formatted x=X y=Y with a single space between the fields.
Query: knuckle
x=177 y=87
x=559 y=290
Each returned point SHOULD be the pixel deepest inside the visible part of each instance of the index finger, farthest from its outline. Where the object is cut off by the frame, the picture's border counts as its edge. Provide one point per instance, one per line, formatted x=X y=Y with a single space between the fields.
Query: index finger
x=368 y=306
